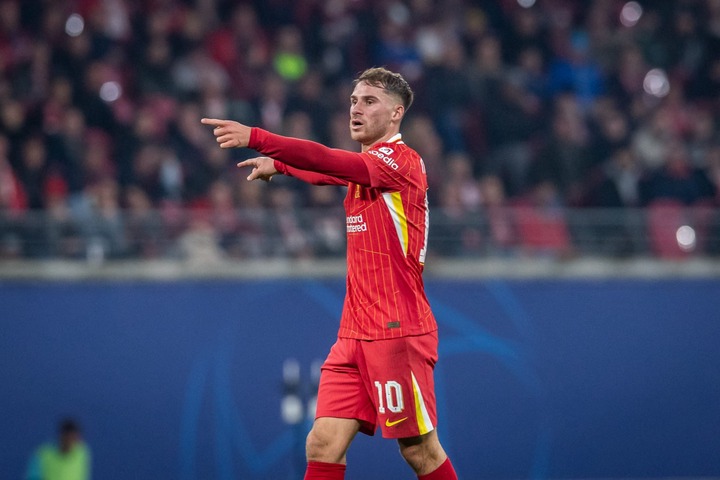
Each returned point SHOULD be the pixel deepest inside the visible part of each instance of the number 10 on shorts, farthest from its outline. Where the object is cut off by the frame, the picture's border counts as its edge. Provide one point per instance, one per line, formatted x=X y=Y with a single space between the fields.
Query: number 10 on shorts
x=391 y=395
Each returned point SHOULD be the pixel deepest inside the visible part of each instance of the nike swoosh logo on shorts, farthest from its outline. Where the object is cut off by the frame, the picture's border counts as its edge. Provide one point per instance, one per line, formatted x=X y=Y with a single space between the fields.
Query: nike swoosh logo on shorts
x=388 y=423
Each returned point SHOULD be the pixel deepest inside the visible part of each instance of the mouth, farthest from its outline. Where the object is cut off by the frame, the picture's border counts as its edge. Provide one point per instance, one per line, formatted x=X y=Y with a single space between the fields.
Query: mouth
x=356 y=123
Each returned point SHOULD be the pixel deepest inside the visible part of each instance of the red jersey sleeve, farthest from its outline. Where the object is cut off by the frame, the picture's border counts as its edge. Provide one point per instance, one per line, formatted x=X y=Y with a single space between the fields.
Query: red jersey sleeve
x=308 y=176
x=311 y=156
x=389 y=166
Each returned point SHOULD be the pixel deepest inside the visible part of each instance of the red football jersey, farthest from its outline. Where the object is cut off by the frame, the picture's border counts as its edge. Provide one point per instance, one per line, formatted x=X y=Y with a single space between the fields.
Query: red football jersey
x=387 y=229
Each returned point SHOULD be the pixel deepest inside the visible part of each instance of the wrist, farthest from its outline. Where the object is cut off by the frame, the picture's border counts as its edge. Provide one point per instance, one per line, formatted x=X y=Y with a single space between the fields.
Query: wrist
x=253 y=140
x=280 y=167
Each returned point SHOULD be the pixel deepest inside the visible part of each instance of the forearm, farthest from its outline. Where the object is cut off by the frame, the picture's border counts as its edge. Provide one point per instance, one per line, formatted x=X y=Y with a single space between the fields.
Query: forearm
x=308 y=156
x=308 y=176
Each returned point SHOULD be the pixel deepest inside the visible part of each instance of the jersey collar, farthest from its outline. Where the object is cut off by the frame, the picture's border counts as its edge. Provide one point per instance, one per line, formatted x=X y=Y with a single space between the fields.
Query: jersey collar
x=397 y=138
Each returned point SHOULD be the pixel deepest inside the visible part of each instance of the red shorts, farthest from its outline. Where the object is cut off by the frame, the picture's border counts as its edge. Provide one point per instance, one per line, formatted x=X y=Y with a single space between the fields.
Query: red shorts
x=385 y=382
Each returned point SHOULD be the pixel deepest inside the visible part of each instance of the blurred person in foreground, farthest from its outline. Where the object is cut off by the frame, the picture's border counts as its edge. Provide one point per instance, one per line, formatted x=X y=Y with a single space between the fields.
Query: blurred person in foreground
x=68 y=459
x=380 y=370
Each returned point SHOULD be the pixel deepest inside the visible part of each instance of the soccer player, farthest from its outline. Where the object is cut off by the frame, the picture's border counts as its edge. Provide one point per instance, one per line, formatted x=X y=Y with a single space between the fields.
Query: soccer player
x=380 y=370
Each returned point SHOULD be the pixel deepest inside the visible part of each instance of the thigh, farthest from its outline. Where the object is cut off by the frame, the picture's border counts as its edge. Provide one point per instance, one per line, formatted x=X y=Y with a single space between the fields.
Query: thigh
x=400 y=373
x=342 y=392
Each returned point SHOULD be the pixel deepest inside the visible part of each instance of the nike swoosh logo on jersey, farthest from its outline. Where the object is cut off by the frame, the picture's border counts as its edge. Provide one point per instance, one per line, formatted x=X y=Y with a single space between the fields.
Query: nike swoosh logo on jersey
x=388 y=423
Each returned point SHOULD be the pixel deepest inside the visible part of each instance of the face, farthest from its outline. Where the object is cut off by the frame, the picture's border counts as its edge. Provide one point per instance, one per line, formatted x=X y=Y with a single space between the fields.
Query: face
x=68 y=440
x=374 y=114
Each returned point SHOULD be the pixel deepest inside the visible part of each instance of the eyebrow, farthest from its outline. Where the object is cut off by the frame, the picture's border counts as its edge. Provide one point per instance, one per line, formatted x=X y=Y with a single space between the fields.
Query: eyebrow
x=372 y=97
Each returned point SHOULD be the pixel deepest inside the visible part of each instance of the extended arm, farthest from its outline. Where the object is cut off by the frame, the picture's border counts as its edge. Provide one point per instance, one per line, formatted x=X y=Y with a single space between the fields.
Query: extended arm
x=300 y=154
x=308 y=176
x=265 y=167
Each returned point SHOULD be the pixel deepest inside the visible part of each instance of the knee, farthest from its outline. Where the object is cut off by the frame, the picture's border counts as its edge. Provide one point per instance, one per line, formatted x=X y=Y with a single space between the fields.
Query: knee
x=329 y=439
x=416 y=456
x=412 y=454
x=317 y=446
x=423 y=455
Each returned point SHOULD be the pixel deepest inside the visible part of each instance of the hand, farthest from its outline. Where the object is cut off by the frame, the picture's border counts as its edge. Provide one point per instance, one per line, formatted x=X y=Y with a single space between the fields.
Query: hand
x=263 y=168
x=228 y=133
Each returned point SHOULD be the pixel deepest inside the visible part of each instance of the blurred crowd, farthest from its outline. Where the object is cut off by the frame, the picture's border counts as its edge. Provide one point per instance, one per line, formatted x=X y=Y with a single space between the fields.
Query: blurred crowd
x=536 y=105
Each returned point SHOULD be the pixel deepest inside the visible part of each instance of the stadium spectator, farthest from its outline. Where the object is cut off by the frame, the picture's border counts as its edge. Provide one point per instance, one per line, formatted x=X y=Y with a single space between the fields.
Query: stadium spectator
x=223 y=213
x=565 y=159
x=677 y=179
x=144 y=225
x=287 y=225
x=325 y=221
x=199 y=243
x=452 y=93
x=252 y=240
x=63 y=235
x=310 y=99
x=460 y=230
x=103 y=224
x=501 y=229
x=542 y=224
x=67 y=147
x=67 y=459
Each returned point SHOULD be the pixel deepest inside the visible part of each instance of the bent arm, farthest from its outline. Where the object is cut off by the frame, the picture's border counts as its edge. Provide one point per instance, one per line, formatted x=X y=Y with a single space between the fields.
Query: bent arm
x=305 y=157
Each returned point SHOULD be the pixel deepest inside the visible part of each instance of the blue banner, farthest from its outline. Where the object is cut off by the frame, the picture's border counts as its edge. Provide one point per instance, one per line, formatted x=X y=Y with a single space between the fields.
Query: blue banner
x=536 y=379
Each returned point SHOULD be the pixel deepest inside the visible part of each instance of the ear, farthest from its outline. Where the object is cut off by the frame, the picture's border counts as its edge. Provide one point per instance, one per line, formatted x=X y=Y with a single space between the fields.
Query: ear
x=398 y=112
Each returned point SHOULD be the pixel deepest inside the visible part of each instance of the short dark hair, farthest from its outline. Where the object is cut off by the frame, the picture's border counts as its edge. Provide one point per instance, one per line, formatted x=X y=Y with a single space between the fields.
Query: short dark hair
x=393 y=82
x=68 y=425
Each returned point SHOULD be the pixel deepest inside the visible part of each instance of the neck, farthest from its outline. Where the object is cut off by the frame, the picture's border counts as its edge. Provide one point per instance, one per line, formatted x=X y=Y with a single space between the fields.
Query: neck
x=384 y=138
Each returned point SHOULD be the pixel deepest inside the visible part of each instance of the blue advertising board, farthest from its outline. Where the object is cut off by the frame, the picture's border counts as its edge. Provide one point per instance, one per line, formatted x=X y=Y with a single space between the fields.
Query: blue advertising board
x=537 y=378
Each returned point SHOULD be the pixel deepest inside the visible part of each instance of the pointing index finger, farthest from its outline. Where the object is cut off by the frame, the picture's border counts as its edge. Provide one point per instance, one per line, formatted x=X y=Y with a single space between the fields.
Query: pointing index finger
x=215 y=122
